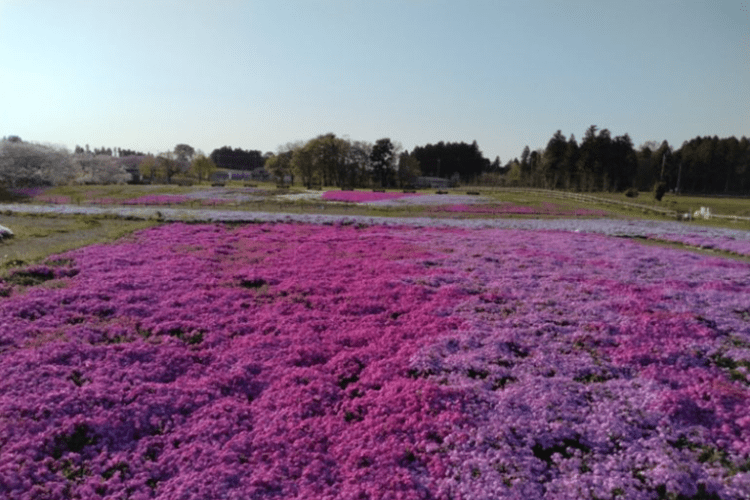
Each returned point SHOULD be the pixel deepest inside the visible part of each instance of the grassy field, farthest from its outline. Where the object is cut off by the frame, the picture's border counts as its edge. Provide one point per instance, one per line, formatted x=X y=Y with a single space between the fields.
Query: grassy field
x=39 y=236
x=688 y=203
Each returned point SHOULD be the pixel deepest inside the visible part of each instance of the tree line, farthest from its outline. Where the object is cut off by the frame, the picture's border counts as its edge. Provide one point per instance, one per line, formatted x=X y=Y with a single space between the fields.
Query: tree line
x=334 y=161
x=331 y=160
x=29 y=164
x=604 y=163
x=600 y=162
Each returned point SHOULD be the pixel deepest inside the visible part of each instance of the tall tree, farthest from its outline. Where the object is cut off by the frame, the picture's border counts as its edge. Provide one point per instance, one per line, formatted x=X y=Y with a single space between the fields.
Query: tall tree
x=624 y=163
x=202 y=166
x=570 y=160
x=382 y=159
x=184 y=155
x=446 y=160
x=168 y=165
x=279 y=165
x=408 y=169
x=524 y=166
x=358 y=156
x=552 y=161
x=237 y=159
x=303 y=162
x=148 y=168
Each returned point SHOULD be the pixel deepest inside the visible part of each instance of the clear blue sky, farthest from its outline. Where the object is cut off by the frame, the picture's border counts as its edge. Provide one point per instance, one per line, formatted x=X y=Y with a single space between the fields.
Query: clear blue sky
x=149 y=74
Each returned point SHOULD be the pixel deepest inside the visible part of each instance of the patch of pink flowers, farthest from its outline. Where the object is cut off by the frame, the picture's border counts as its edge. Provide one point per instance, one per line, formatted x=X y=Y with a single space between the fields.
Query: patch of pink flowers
x=363 y=196
x=56 y=200
x=546 y=208
x=157 y=199
x=301 y=361
x=28 y=192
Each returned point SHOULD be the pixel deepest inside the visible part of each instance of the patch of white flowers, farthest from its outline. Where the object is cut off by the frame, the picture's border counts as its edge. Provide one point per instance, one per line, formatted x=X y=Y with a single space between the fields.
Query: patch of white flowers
x=305 y=195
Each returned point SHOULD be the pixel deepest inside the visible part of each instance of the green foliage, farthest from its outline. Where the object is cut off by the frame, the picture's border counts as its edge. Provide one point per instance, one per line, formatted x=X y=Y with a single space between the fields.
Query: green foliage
x=184 y=153
x=280 y=165
x=660 y=189
x=148 y=168
x=324 y=160
x=167 y=165
x=408 y=169
x=303 y=163
x=382 y=161
x=202 y=167
x=448 y=159
x=237 y=158
x=515 y=174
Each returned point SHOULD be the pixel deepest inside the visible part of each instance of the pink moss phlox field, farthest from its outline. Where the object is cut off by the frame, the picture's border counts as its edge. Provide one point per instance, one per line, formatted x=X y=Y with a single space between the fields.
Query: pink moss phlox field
x=363 y=196
x=508 y=208
x=301 y=361
x=157 y=199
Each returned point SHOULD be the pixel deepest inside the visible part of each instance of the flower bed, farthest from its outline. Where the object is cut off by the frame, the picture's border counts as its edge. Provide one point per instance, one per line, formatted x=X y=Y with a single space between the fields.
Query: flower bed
x=157 y=199
x=363 y=196
x=56 y=200
x=301 y=361
x=27 y=192
x=509 y=208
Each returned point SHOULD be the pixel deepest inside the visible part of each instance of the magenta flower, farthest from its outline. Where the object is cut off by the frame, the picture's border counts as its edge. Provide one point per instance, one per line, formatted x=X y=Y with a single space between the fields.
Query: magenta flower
x=302 y=361
x=363 y=196
x=157 y=199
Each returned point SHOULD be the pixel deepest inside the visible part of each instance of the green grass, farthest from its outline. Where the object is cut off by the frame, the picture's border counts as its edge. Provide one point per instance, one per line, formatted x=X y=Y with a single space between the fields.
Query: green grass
x=681 y=204
x=685 y=203
x=38 y=236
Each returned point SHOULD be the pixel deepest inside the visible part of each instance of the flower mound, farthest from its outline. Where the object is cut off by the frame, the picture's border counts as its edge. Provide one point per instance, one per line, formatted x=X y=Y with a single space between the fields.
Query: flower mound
x=363 y=196
x=301 y=361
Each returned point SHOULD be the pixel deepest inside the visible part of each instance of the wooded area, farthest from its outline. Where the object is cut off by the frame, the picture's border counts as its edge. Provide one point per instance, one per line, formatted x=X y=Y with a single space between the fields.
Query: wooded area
x=600 y=162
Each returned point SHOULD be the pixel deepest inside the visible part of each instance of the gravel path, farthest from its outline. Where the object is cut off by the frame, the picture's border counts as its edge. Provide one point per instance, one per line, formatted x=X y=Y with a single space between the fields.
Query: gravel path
x=613 y=227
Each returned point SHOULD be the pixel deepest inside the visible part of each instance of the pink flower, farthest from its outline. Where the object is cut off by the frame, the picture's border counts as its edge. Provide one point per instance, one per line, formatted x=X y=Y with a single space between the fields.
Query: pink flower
x=363 y=196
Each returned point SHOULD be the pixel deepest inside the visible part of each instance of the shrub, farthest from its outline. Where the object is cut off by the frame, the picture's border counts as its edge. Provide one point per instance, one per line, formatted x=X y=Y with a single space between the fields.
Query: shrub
x=632 y=193
x=659 y=190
